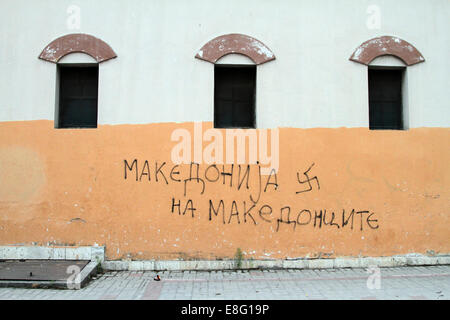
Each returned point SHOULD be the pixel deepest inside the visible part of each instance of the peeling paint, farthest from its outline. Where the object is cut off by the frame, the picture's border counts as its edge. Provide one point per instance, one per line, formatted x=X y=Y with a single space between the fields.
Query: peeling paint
x=77 y=220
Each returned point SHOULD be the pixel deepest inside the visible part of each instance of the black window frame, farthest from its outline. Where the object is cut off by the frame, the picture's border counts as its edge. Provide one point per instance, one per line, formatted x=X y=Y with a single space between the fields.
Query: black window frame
x=62 y=123
x=252 y=74
x=400 y=117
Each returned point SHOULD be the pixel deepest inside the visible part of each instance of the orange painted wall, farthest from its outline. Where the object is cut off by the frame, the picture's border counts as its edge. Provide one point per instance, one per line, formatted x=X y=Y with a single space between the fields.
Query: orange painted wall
x=67 y=187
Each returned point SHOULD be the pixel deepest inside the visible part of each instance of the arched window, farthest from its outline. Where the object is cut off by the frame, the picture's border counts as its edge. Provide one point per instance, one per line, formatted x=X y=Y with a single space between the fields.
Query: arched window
x=77 y=57
x=235 y=79
x=387 y=78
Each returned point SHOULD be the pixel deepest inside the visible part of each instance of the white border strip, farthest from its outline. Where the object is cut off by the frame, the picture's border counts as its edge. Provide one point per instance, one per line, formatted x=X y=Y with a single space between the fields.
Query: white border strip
x=96 y=254
x=173 y=265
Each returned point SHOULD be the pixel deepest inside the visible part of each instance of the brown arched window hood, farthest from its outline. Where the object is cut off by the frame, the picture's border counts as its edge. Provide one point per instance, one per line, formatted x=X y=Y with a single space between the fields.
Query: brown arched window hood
x=387 y=45
x=254 y=49
x=77 y=42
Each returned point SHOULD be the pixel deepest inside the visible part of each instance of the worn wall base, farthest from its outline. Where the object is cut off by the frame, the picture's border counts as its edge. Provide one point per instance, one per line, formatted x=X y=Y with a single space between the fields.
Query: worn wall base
x=394 y=261
x=97 y=254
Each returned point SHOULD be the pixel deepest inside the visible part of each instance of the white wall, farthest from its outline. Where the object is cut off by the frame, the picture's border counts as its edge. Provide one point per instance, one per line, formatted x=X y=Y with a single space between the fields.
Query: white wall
x=156 y=78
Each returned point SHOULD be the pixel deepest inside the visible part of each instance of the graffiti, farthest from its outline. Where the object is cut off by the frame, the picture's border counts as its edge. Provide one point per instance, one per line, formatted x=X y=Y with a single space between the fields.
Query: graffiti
x=188 y=207
x=318 y=218
x=145 y=172
x=243 y=212
x=308 y=180
x=234 y=176
x=197 y=179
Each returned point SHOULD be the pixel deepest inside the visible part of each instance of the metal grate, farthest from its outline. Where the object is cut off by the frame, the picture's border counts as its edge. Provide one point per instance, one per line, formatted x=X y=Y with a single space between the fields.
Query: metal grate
x=38 y=270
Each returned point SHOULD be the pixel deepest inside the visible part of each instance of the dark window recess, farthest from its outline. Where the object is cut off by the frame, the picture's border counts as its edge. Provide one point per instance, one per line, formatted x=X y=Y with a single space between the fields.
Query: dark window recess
x=234 y=96
x=385 y=99
x=78 y=97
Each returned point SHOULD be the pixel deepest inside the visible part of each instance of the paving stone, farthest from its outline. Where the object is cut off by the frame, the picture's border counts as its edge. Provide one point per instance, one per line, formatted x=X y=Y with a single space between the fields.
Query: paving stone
x=413 y=283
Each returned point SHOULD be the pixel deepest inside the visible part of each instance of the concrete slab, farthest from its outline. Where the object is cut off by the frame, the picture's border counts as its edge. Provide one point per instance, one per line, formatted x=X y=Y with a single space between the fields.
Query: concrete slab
x=58 y=274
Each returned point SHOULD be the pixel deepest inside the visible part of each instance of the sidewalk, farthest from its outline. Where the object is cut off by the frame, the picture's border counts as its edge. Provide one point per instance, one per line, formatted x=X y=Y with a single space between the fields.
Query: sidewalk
x=416 y=283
